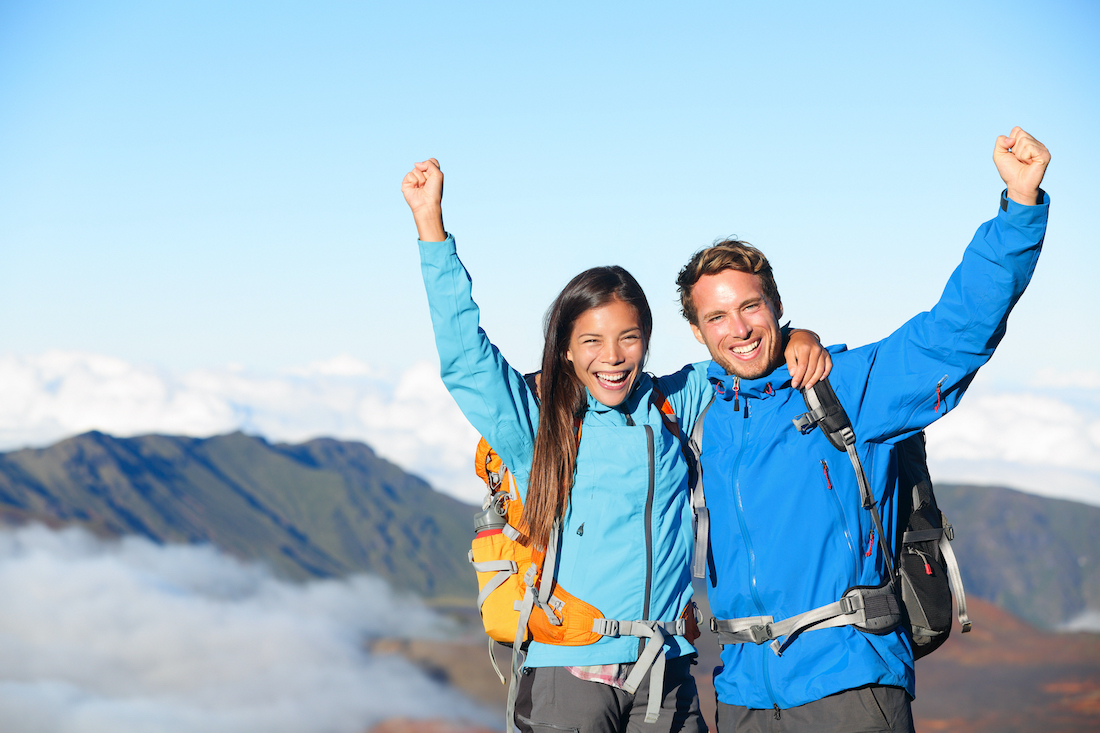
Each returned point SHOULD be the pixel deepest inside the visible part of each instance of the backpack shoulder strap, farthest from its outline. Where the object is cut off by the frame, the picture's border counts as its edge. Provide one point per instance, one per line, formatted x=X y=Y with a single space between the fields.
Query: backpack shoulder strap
x=692 y=449
x=698 y=498
x=826 y=412
x=668 y=415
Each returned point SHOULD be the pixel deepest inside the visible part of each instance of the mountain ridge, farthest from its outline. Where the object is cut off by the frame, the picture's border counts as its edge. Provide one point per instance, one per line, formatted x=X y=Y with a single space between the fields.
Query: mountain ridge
x=324 y=508
x=330 y=508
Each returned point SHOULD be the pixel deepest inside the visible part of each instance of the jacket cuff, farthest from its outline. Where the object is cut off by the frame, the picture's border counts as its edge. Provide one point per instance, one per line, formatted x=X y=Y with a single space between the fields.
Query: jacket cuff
x=1044 y=200
x=434 y=250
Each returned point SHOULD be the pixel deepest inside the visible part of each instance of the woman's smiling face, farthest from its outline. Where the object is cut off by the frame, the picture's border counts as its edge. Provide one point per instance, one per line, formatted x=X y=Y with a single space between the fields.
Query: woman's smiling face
x=607 y=351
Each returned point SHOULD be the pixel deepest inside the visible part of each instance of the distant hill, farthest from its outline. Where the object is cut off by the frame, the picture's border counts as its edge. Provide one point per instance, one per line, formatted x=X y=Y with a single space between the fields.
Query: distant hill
x=1036 y=557
x=330 y=508
x=320 y=509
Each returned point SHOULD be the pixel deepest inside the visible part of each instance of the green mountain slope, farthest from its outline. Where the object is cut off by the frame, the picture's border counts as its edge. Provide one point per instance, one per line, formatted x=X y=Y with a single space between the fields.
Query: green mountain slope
x=323 y=508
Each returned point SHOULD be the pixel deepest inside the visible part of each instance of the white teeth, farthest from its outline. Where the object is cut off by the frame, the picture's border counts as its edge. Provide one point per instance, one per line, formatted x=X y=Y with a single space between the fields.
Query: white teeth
x=620 y=376
x=746 y=349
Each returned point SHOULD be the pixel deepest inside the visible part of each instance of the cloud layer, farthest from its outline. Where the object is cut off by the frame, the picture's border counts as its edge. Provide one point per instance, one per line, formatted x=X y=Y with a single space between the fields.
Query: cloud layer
x=1044 y=439
x=100 y=637
x=409 y=418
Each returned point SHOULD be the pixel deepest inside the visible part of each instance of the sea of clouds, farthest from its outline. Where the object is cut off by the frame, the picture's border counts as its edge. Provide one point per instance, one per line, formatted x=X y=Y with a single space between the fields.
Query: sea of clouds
x=1044 y=439
x=128 y=636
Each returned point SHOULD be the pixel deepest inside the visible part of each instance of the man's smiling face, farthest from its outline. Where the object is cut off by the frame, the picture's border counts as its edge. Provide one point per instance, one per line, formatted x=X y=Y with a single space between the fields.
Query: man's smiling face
x=738 y=324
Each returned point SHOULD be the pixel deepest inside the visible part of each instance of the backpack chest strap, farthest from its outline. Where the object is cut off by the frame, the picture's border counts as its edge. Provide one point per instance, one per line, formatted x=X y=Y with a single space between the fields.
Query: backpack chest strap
x=869 y=609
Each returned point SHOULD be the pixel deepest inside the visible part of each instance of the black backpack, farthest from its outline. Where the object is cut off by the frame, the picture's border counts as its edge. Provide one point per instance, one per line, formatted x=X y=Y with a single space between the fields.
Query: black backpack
x=927 y=573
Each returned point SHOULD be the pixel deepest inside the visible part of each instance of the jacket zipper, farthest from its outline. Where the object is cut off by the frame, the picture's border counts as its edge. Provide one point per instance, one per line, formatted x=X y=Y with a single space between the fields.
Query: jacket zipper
x=843 y=519
x=648 y=531
x=764 y=674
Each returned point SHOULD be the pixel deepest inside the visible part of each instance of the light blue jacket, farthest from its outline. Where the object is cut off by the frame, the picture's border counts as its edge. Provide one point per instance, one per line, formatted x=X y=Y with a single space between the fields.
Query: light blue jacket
x=788 y=531
x=627 y=534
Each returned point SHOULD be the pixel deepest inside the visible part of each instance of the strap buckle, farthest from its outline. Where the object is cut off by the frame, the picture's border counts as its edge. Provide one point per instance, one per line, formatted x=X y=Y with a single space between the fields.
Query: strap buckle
x=805 y=423
x=761 y=633
x=605 y=626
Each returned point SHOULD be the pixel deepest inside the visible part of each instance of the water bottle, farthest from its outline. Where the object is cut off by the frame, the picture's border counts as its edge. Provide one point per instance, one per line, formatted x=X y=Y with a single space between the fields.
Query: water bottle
x=490 y=520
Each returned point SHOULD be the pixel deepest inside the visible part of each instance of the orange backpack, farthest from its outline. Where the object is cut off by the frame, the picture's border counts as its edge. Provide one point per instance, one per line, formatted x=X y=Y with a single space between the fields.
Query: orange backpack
x=509 y=570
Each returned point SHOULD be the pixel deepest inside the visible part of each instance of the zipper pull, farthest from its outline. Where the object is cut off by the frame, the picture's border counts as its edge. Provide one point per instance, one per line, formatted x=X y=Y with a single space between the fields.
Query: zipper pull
x=870 y=543
x=776 y=705
x=924 y=559
x=736 y=392
x=939 y=397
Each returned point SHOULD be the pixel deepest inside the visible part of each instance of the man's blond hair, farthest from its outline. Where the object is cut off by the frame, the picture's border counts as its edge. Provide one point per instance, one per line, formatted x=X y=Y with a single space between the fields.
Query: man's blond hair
x=729 y=254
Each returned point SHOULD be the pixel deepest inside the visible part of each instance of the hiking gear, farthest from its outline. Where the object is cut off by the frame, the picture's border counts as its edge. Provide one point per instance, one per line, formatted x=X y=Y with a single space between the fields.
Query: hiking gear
x=544 y=611
x=925 y=592
x=700 y=555
x=789 y=533
x=927 y=568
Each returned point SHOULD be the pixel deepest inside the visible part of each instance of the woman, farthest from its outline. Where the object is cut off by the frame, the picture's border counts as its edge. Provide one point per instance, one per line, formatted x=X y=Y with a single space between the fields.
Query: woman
x=590 y=453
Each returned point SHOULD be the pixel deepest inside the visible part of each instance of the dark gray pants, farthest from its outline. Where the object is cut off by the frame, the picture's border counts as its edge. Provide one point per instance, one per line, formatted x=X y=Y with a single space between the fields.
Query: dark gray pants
x=550 y=700
x=871 y=709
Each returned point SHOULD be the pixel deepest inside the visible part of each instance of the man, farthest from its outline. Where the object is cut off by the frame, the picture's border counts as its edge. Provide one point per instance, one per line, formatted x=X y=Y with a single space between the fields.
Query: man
x=789 y=531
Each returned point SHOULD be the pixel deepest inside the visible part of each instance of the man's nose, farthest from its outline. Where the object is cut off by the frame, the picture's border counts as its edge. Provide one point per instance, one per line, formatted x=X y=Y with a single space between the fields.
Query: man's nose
x=738 y=327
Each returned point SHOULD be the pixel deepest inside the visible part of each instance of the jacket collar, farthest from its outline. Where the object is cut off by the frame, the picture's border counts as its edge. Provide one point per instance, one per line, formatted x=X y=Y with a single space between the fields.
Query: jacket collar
x=727 y=385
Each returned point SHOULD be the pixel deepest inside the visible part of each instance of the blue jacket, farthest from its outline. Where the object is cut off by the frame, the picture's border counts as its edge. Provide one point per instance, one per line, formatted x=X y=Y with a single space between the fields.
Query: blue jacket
x=788 y=531
x=627 y=534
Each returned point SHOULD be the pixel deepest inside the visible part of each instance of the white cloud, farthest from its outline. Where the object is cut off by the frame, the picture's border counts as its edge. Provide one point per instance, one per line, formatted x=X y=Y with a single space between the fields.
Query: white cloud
x=409 y=419
x=1075 y=379
x=1044 y=441
x=113 y=637
x=1087 y=621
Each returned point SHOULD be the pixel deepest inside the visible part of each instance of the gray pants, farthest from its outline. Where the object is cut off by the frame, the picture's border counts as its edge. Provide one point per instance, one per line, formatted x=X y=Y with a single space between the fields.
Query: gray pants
x=550 y=700
x=871 y=709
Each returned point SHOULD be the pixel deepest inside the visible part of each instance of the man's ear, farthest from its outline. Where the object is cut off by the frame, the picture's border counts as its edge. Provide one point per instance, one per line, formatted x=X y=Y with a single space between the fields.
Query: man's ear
x=698 y=334
x=778 y=310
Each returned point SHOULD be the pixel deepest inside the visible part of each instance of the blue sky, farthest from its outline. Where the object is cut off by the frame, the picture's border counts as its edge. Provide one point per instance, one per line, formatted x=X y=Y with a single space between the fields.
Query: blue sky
x=196 y=186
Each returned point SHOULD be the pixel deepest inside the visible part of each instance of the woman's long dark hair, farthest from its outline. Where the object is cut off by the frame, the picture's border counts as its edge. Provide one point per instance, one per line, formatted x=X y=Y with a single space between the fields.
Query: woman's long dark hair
x=563 y=397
